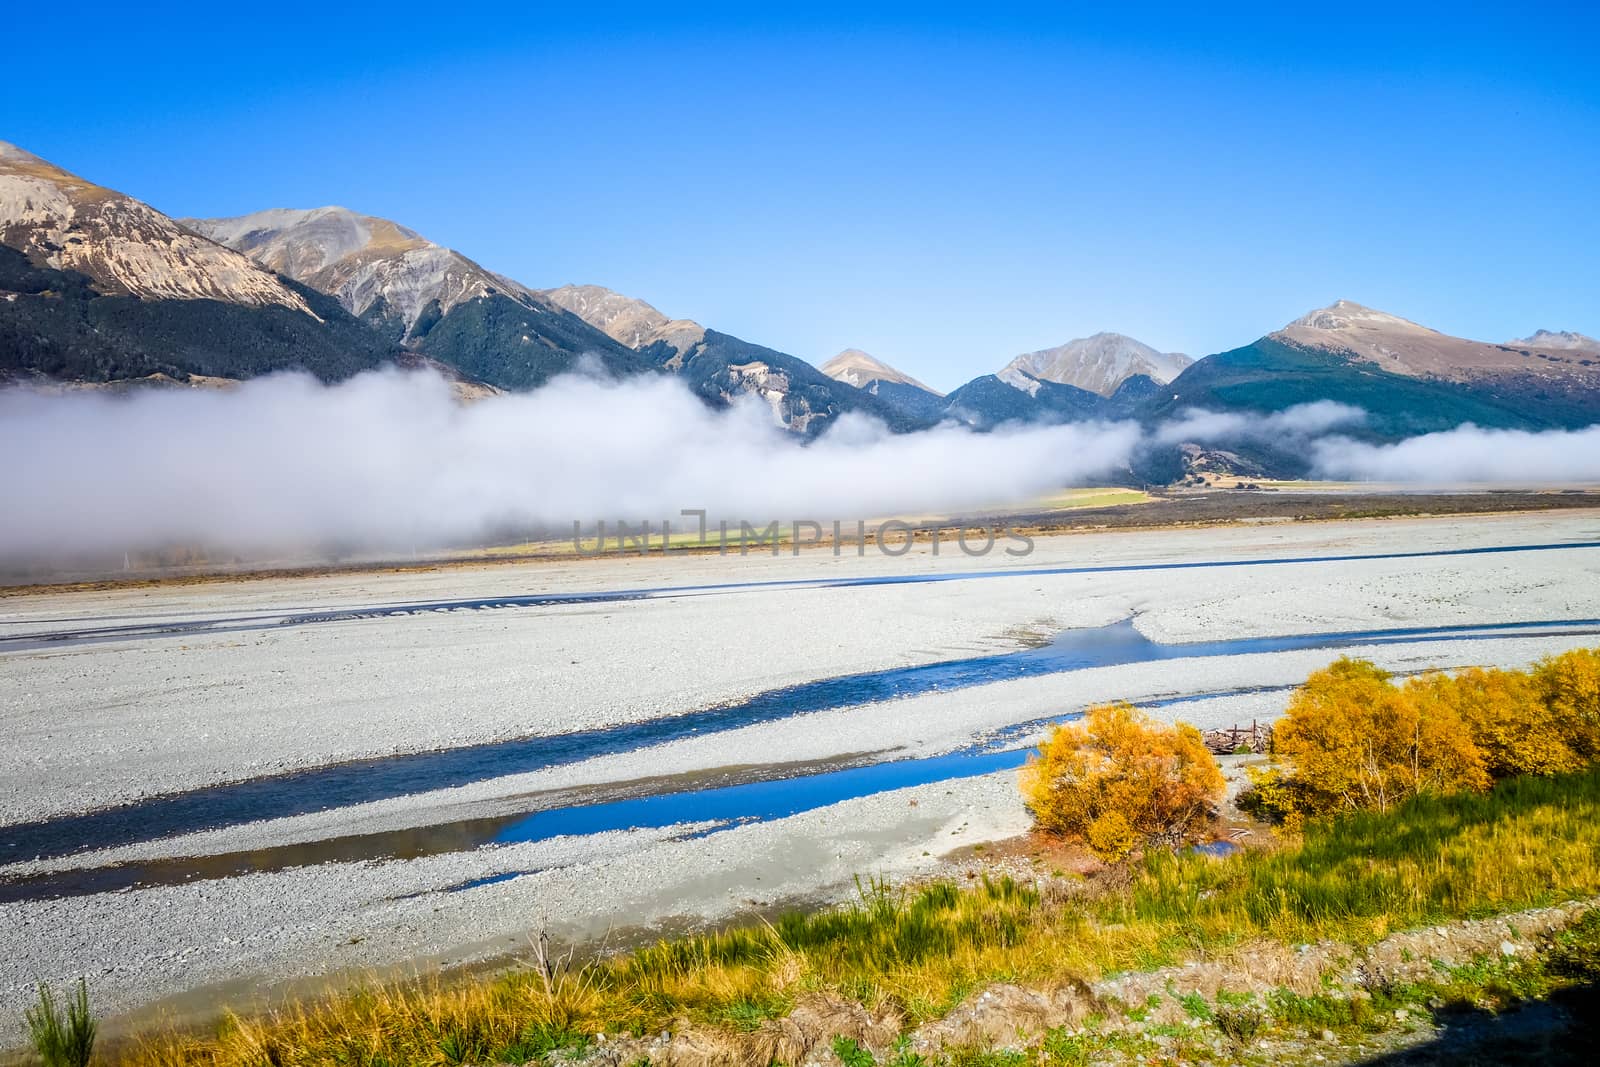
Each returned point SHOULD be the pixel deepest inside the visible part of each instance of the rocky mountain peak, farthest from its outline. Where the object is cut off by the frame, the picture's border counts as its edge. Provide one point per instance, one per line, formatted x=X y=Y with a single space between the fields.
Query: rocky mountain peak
x=624 y=318
x=857 y=368
x=369 y=264
x=1559 y=341
x=1348 y=315
x=1098 y=363
x=1401 y=346
x=301 y=243
x=124 y=246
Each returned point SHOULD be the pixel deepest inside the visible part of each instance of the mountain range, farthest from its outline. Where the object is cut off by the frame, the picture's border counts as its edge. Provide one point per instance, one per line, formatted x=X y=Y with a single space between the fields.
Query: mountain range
x=423 y=297
x=438 y=303
x=99 y=288
x=1409 y=378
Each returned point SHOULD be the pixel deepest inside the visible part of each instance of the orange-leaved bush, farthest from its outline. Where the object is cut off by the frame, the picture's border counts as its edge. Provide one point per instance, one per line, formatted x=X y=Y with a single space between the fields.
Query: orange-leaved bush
x=1569 y=685
x=1516 y=730
x=1358 y=741
x=1119 y=780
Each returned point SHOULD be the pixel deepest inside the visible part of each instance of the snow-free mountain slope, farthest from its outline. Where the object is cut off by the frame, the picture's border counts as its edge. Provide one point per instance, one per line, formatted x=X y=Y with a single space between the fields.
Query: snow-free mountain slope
x=989 y=401
x=96 y=286
x=431 y=298
x=1407 y=378
x=376 y=268
x=857 y=368
x=1403 y=347
x=450 y=309
x=1099 y=364
x=722 y=368
x=124 y=246
x=894 y=388
x=626 y=319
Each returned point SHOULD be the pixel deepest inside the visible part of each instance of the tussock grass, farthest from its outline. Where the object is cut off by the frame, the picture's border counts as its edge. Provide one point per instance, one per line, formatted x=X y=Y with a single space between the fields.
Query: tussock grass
x=62 y=1038
x=913 y=954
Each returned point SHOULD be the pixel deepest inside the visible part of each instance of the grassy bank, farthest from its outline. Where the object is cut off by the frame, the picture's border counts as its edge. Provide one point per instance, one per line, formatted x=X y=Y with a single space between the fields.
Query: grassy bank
x=908 y=956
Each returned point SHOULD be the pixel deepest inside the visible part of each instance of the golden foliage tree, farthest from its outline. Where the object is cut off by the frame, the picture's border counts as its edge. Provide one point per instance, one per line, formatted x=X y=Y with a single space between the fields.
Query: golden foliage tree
x=1357 y=741
x=1517 y=730
x=1119 y=779
x=1569 y=686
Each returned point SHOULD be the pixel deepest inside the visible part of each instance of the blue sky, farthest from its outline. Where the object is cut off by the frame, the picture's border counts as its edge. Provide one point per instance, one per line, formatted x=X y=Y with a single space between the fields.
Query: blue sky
x=944 y=188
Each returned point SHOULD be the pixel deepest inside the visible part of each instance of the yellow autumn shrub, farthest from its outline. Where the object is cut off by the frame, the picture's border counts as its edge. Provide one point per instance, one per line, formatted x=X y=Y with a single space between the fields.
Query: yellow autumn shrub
x=1355 y=740
x=1569 y=686
x=1517 y=731
x=1119 y=779
x=1275 y=796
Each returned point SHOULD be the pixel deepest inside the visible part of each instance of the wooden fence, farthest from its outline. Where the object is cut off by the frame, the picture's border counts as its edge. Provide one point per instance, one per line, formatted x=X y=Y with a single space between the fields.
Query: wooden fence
x=1253 y=738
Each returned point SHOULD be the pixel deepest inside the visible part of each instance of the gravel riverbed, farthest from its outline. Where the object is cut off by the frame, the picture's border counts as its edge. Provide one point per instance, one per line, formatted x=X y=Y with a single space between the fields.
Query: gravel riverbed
x=90 y=725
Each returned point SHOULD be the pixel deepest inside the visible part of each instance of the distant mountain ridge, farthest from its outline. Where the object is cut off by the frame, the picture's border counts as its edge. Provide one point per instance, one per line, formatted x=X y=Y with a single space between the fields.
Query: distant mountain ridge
x=1407 y=378
x=447 y=307
x=721 y=368
x=989 y=401
x=1099 y=363
x=1403 y=347
x=1558 y=341
x=373 y=266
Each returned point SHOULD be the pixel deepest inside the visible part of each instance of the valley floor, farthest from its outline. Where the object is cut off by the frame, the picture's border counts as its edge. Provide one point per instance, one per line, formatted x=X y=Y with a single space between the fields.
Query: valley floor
x=225 y=791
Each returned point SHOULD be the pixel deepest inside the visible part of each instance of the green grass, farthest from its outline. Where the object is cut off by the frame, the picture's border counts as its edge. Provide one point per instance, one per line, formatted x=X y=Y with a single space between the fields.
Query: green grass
x=851 y=1054
x=62 y=1038
x=1072 y=499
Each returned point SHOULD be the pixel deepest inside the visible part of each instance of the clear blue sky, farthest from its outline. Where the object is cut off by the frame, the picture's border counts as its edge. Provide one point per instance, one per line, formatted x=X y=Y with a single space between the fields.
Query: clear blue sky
x=943 y=188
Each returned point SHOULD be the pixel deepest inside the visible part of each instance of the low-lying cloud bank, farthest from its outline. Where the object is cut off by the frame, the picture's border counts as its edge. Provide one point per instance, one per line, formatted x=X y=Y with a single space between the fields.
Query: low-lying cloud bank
x=1467 y=454
x=1300 y=422
x=390 y=459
